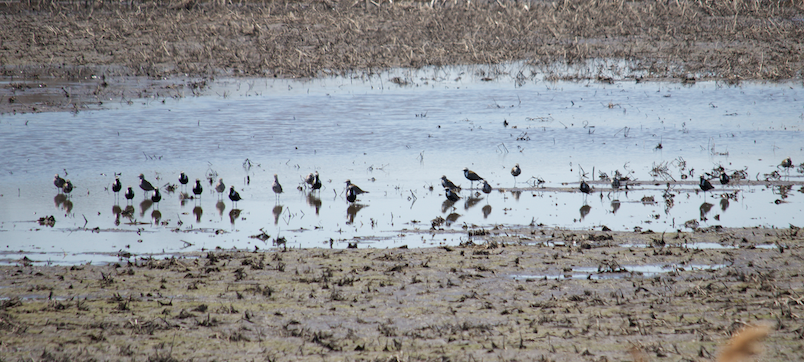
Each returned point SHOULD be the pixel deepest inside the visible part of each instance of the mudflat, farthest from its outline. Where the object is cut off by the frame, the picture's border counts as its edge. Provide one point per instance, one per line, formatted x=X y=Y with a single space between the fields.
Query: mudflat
x=574 y=296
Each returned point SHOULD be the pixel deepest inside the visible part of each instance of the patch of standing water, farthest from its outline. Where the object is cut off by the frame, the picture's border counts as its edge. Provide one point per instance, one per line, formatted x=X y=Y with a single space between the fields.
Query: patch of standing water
x=626 y=271
x=396 y=141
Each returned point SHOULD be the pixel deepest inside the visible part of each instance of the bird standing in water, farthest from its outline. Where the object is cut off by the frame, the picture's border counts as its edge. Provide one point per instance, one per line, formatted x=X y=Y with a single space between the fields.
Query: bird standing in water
x=183 y=179
x=58 y=182
x=317 y=182
x=787 y=163
x=448 y=184
x=516 y=171
x=234 y=196
x=68 y=187
x=705 y=185
x=357 y=190
x=276 y=186
x=116 y=185
x=471 y=176
x=197 y=189
x=724 y=178
x=220 y=188
x=129 y=194
x=156 y=197
x=486 y=187
x=451 y=196
x=145 y=185
x=585 y=188
x=310 y=179
x=351 y=194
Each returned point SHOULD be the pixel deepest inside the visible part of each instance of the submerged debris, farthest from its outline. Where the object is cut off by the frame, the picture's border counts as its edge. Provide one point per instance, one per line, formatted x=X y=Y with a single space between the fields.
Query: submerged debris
x=47 y=221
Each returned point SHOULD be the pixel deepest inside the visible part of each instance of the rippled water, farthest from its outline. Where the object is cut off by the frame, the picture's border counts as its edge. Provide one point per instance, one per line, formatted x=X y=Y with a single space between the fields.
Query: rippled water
x=394 y=141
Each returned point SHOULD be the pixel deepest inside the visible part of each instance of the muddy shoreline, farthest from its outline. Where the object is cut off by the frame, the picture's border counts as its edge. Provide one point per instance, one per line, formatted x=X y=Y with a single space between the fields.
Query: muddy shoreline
x=573 y=299
x=106 y=45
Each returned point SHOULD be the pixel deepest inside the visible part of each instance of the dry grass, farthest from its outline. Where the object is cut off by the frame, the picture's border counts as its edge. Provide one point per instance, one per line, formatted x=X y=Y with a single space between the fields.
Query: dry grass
x=721 y=39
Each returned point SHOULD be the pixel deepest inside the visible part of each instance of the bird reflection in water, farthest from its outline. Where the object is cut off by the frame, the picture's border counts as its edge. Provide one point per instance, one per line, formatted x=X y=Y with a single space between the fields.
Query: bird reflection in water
x=233 y=215
x=128 y=212
x=471 y=201
x=144 y=206
x=198 y=212
x=451 y=218
x=59 y=200
x=314 y=201
x=486 y=211
x=183 y=197
x=67 y=205
x=156 y=216
x=705 y=208
x=351 y=212
x=116 y=210
x=221 y=207
x=516 y=194
x=615 y=205
x=446 y=206
x=724 y=204
x=277 y=211
x=585 y=209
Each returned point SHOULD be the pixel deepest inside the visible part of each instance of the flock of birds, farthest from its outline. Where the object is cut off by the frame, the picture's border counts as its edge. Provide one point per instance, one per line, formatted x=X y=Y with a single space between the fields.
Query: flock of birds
x=451 y=191
x=313 y=180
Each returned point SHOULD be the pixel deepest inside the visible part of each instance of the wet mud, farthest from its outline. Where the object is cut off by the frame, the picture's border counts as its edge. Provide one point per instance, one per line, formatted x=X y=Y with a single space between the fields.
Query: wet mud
x=508 y=294
x=93 y=44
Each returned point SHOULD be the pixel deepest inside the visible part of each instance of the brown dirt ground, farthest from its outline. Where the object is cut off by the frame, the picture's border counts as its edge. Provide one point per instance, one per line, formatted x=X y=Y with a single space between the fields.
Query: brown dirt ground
x=74 y=40
x=445 y=304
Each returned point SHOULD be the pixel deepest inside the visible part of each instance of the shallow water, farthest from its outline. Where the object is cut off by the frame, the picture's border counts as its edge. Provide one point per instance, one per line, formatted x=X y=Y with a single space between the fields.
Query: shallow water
x=626 y=271
x=394 y=141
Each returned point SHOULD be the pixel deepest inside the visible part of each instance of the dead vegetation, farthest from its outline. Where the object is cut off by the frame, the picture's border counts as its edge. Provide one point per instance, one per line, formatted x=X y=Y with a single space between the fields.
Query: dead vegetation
x=741 y=39
x=492 y=299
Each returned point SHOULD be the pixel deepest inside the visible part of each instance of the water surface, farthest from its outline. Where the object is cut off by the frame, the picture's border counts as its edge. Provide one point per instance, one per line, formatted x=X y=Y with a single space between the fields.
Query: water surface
x=396 y=141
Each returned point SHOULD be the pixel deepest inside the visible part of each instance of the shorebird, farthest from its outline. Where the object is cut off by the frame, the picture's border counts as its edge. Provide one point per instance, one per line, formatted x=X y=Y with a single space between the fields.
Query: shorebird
x=197 y=189
x=68 y=187
x=317 y=182
x=724 y=178
x=234 y=196
x=705 y=185
x=787 y=163
x=471 y=176
x=156 y=197
x=220 y=188
x=276 y=186
x=451 y=196
x=615 y=183
x=310 y=179
x=486 y=187
x=354 y=188
x=183 y=179
x=116 y=185
x=145 y=185
x=585 y=188
x=516 y=171
x=129 y=193
x=448 y=184
x=351 y=194
x=58 y=182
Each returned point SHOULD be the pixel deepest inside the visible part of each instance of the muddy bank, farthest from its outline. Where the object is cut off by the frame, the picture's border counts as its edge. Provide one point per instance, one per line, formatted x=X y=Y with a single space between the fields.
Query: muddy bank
x=677 y=39
x=585 y=300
